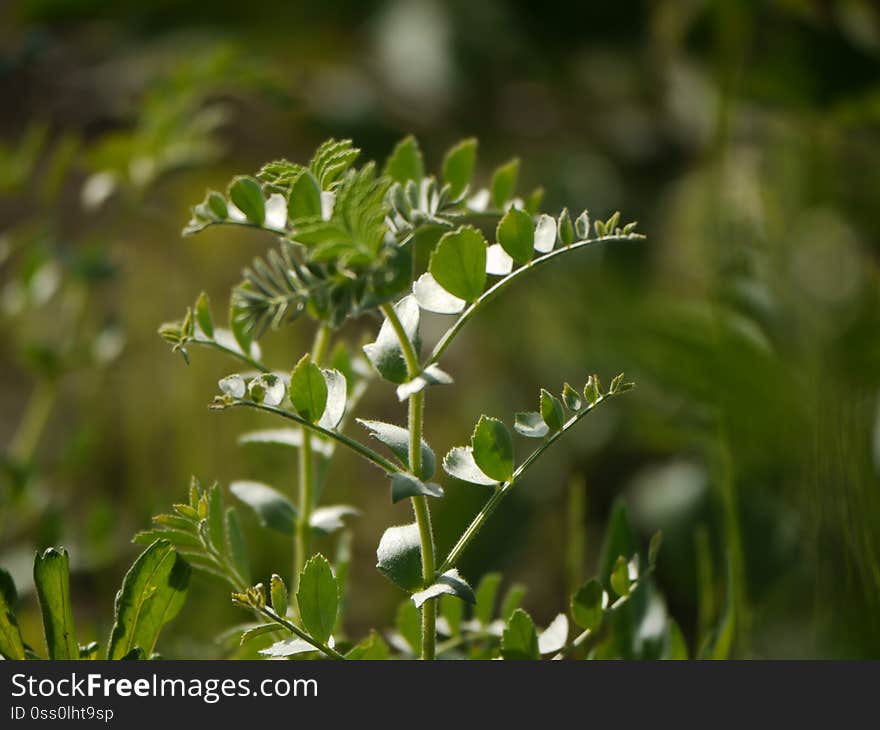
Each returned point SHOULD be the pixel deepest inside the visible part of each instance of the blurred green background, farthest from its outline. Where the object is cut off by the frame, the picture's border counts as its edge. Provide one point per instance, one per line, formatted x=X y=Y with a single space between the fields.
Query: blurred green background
x=743 y=136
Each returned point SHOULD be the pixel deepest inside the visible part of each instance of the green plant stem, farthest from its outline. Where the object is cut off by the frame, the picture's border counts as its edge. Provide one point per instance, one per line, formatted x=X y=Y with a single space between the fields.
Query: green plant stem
x=502 y=490
x=36 y=415
x=240 y=356
x=306 y=477
x=297 y=631
x=493 y=291
x=302 y=543
x=420 y=504
x=365 y=451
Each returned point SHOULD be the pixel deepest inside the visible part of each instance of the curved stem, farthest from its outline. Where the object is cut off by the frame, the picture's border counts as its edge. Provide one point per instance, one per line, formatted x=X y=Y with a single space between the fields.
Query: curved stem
x=240 y=356
x=499 y=286
x=501 y=491
x=364 y=451
x=420 y=503
x=409 y=353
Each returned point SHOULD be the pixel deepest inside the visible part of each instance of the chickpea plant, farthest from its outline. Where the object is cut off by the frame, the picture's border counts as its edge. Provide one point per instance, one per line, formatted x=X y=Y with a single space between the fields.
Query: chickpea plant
x=345 y=248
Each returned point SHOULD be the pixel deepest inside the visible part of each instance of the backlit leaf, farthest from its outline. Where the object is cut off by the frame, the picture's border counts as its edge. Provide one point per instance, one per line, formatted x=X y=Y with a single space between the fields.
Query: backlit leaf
x=492 y=448
x=516 y=234
x=458 y=166
x=52 y=581
x=551 y=411
x=318 y=598
x=278 y=595
x=571 y=398
x=405 y=162
x=153 y=592
x=373 y=648
x=247 y=195
x=308 y=389
x=304 y=202
x=503 y=184
x=486 y=595
x=520 y=640
x=203 y=315
x=587 y=605
x=458 y=263
x=565 y=228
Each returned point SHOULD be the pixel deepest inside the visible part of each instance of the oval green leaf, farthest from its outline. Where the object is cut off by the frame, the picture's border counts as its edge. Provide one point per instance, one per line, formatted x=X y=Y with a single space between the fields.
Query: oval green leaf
x=399 y=556
x=153 y=592
x=458 y=263
x=516 y=234
x=308 y=389
x=492 y=447
x=520 y=639
x=247 y=195
x=52 y=581
x=318 y=598
x=458 y=166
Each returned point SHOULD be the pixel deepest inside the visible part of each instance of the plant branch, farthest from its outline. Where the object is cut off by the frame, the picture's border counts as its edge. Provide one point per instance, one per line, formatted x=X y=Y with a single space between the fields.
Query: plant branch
x=499 y=286
x=587 y=633
x=240 y=356
x=501 y=491
x=359 y=448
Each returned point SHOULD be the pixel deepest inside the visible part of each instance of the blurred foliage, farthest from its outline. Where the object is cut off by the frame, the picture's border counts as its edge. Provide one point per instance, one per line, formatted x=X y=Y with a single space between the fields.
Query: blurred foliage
x=745 y=137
